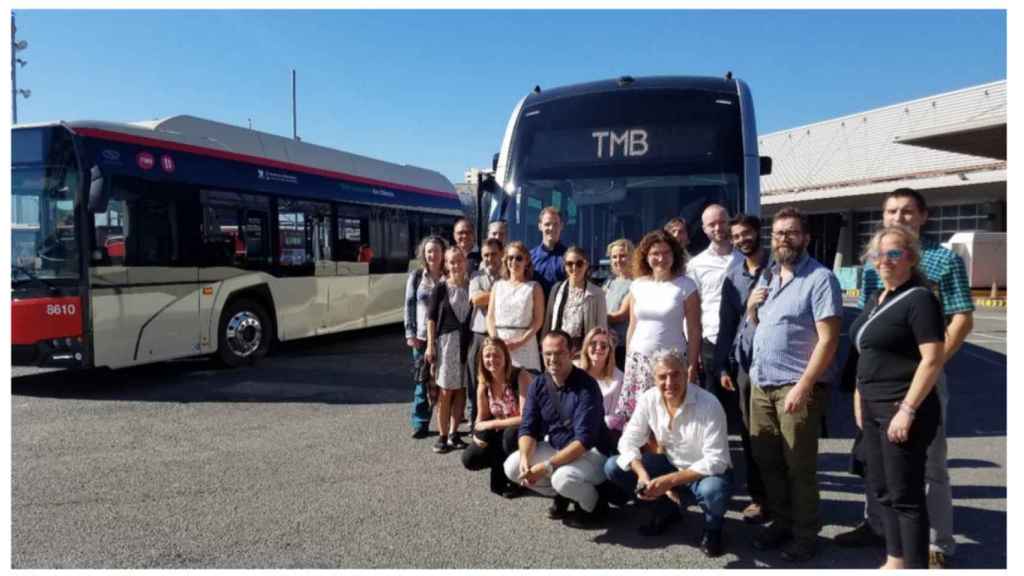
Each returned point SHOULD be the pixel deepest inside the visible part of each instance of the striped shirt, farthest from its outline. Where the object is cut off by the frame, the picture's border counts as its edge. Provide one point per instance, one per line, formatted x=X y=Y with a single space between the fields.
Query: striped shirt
x=940 y=265
x=786 y=332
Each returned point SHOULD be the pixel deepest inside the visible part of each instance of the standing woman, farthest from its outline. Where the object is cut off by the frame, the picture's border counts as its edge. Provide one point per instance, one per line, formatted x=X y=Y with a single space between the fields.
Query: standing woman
x=900 y=341
x=576 y=304
x=598 y=360
x=516 y=311
x=501 y=394
x=663 y=299
x=616 y=294
x=448 y=339
x=418 y=289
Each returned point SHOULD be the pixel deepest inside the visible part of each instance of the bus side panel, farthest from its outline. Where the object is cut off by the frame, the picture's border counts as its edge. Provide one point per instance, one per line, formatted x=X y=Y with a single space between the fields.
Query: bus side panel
x=144 y=315
x=348 y=295
x=387 y=298
x=300 y=306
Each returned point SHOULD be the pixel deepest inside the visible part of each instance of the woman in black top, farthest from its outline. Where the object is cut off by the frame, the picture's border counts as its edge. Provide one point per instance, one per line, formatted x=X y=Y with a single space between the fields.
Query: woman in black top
x=899 y=337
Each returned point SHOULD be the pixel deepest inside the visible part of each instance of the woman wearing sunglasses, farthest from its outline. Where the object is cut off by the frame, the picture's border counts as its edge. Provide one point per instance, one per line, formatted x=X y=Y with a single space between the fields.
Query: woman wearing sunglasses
x=576 y=305
x=898 y=349
x=516 y=309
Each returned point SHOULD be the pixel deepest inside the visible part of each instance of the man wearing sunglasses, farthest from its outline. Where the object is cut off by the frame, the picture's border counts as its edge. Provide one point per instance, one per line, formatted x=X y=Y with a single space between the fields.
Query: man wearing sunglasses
x=943 y=267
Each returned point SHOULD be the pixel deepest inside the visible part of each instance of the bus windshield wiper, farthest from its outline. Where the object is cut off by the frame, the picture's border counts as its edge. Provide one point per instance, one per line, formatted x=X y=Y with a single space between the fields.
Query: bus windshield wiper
x=29 y=277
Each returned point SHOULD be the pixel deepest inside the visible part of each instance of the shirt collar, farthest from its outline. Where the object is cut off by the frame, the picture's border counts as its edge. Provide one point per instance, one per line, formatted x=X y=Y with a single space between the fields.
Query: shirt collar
x=557 y=250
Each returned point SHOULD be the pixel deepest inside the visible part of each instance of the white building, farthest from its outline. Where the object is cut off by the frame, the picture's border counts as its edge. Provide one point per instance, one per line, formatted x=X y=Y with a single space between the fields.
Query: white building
x=951 y=147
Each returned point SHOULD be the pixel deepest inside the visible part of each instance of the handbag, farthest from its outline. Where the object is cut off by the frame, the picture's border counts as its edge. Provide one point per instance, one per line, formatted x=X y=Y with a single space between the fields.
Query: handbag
x=422 y=373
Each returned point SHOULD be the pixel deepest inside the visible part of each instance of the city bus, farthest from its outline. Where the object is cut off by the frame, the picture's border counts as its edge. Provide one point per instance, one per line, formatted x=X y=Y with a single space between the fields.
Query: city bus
x=618 y=158
x=150 y=241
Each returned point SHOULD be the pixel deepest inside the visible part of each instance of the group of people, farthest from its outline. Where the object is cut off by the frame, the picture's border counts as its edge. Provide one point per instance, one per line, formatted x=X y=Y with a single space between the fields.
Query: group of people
x=536 y=346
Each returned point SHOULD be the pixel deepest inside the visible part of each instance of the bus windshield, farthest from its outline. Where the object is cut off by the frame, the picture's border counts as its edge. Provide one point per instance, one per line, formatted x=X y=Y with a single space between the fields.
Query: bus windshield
x=44 y=183
x=619 y=164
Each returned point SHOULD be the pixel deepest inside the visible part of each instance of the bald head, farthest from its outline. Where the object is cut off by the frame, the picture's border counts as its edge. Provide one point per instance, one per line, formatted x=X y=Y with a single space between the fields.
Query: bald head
x=715 y=222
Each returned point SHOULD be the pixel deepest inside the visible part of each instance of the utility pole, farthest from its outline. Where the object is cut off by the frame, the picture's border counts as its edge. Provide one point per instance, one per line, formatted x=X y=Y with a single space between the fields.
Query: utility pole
x=15 y=62
x=295 y=125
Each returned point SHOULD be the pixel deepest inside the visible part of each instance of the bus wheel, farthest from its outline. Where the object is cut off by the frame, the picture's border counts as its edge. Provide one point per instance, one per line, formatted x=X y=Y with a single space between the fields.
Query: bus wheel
x=244 y=335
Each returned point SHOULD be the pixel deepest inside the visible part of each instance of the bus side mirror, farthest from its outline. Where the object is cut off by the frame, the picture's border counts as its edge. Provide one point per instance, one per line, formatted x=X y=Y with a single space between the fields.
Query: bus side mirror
x=494 y=162
x=99 y=192
x=766 y=165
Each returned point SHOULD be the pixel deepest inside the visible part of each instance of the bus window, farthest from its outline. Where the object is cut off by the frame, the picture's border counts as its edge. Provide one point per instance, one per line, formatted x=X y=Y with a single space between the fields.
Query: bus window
x=303 y=234
x=111 y=228
x=389 y=240
x=353 y=234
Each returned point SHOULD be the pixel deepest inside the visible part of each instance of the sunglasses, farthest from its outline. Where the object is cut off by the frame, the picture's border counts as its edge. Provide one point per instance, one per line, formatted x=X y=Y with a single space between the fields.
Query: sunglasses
x=575 y=264
x=890 y=255
x=599 y=345
x=515 y=258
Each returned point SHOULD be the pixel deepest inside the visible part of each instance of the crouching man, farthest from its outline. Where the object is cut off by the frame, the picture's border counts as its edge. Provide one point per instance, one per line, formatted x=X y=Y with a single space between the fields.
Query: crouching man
x=564 y=405
x=692 y=460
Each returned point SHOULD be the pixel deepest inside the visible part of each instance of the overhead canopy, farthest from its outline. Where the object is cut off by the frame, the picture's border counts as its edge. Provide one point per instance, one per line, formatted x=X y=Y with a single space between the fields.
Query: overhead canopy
x=980 y=137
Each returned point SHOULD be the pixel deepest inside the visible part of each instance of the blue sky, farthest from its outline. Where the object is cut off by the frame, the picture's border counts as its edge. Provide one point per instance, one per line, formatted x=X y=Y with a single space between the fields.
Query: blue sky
x=435 y=88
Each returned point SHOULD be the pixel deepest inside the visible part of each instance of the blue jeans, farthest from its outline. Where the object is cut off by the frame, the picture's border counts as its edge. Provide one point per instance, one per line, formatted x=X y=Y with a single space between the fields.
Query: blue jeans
x=420 y=405
x=711 y=493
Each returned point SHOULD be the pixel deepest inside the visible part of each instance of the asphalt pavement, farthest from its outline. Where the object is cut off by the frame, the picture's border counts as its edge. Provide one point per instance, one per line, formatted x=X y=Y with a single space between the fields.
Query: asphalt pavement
x=305 y=461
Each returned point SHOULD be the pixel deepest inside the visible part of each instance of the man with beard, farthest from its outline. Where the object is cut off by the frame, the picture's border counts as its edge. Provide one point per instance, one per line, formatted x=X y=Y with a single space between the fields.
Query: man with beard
x=798 y=310
x=676 y=228
x=735 y=342
x=707 y=269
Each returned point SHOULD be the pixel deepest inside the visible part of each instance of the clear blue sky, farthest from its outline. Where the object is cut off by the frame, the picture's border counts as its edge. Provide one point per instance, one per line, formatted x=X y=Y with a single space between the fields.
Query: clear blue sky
x=435 y=88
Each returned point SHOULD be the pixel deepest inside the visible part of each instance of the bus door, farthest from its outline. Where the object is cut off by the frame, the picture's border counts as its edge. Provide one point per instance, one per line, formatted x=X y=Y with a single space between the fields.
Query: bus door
x=145 y=274
x=349 y=290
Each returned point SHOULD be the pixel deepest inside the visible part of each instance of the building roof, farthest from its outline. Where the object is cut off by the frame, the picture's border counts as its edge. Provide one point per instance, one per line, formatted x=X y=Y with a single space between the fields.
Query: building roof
x=945 y=139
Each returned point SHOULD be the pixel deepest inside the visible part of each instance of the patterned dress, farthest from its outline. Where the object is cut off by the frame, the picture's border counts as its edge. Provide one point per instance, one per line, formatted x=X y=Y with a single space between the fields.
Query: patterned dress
x=451 y=372
x=513 y=315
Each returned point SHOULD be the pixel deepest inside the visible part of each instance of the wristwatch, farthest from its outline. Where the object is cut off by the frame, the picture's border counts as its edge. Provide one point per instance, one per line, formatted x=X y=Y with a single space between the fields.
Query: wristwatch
x=549 y=469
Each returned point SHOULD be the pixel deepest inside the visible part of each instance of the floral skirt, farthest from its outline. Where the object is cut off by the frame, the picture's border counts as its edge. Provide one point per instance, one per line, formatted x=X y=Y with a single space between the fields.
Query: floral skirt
x=638 y=378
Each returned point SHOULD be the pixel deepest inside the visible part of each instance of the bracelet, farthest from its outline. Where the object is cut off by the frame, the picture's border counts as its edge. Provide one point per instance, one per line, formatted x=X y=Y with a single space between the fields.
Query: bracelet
x=906 y=407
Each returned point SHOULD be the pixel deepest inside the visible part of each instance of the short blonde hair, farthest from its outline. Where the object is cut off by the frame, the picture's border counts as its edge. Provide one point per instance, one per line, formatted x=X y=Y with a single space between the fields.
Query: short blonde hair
x=623 y=242
x=549 y=210
x=908 y=239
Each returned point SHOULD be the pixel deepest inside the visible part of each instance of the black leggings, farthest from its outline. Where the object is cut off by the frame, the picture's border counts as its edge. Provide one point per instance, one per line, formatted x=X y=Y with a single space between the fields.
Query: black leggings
x=500 y=444
x=896 y=475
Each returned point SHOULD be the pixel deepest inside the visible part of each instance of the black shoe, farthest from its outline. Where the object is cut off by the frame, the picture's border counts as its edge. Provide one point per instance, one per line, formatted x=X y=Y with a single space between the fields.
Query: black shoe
x=771 y=538
x=513 y=491
x=442 y=446
x=584 y=520
x=559 y=509
x=860 y=537
x=456 y=442
x=659 y=523
x=711 y=543
x=798 y=551
x=421 y=433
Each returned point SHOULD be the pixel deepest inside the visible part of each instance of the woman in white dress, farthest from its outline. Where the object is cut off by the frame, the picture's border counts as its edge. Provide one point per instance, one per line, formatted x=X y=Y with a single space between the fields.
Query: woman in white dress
x=516 y=309
x=663 y=299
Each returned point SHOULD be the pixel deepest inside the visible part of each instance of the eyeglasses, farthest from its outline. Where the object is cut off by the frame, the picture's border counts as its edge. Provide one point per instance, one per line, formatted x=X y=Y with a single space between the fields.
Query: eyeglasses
x=600 y=345
x=515 y=258
x=784 y=234
x=575 y=264
x=891 y=255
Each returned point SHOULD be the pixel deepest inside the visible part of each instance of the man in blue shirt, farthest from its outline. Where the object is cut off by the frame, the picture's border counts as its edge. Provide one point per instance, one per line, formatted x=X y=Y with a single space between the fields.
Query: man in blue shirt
x=564 y=404
x=798 y=310
x=549 y=256
x=735 y=342
x=943 y=267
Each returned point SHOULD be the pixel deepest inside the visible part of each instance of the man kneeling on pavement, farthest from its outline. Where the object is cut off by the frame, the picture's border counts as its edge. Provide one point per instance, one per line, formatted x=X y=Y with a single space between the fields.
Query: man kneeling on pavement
x=562 y=437
x=692 y=460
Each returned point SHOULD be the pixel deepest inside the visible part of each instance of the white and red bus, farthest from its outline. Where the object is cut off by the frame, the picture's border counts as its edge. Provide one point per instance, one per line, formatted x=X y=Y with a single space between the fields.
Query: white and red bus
x=142 y=242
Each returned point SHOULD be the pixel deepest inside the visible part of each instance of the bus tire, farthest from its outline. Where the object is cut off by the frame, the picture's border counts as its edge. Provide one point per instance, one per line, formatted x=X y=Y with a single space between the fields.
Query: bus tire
x=244 y=333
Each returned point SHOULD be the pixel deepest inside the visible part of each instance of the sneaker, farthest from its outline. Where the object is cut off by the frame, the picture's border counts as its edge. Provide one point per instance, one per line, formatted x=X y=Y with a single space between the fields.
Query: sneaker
x=559 y=509
x=421 y=433
x=798 y=551
x=455 y=441
x=937 y=560
x=860 y=537
x=771 y=538
x=442 y=446
x=755 y=514
x=711 y=543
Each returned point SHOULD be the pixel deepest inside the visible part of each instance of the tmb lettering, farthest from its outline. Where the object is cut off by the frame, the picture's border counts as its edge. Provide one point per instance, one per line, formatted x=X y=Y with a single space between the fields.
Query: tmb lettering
x=631 y=142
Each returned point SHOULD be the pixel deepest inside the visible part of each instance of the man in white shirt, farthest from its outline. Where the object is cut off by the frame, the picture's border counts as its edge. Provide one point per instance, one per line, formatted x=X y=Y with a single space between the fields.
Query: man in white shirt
x=707 y=269
x=692 y=461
